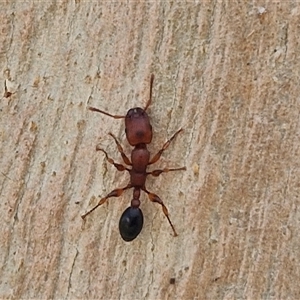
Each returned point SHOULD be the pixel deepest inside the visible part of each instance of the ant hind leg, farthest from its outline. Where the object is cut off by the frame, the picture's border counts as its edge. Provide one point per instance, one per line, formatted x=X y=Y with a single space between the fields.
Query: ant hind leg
x=114 y=193
x=154 y=198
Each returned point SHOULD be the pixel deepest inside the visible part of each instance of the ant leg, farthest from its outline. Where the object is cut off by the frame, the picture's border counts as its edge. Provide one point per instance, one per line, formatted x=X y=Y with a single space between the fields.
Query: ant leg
x=157 y=156
x=114 y=193
x=154 y=198
x=119 y=167
x=120 y=148
x=150 y=96
x=105 y=113
x=165 y=170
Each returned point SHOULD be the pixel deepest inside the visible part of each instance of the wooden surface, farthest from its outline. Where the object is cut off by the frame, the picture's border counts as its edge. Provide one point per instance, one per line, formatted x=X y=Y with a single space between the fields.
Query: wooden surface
x=227 y=72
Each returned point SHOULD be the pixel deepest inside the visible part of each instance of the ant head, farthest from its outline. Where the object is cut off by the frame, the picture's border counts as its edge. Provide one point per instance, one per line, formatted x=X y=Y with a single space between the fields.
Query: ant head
x=137 y=127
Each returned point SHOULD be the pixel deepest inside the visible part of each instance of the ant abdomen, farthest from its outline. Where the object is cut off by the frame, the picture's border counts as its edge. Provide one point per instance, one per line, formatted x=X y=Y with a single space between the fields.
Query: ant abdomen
x=131 y=223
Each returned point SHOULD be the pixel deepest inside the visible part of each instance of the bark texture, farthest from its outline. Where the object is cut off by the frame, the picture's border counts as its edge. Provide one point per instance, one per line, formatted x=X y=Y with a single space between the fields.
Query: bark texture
x=225 y=71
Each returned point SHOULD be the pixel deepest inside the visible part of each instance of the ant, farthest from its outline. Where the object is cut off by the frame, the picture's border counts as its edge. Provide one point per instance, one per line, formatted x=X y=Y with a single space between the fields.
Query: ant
x=138 y=133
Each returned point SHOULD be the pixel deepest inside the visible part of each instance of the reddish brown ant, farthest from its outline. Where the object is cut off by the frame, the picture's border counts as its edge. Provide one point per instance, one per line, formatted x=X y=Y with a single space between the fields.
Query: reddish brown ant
x=138 y=133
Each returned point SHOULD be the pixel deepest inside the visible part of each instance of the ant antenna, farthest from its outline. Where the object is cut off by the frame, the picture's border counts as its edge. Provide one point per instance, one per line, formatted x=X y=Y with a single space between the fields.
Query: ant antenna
x=105 y=113
x=150 y=96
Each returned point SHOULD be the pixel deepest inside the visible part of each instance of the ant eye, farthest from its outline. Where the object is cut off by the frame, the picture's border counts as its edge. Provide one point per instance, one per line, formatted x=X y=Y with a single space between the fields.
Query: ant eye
x=130 y=113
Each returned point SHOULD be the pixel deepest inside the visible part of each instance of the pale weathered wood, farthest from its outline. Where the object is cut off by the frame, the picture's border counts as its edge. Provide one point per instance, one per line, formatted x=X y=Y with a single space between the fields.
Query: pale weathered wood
x=228 y=72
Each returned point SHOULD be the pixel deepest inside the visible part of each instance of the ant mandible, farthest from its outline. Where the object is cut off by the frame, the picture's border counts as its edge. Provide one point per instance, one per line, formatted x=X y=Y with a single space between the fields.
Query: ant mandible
x=138 y=133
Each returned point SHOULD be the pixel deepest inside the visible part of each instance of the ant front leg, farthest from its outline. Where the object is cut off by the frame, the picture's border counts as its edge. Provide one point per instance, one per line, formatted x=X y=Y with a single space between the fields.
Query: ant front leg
x=114 y=193
x=120 y=149
x=154 y=198
x=157 y=156
x=119 y=167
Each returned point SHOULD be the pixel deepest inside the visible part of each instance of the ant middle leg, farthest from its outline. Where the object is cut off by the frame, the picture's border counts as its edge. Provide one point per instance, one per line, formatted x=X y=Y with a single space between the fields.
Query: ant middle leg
x=154 y=198
x=120 y=149
x=156 y=173
x=119 y=167
x=157 y=156
x=114 y=193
